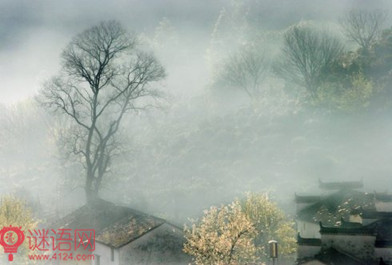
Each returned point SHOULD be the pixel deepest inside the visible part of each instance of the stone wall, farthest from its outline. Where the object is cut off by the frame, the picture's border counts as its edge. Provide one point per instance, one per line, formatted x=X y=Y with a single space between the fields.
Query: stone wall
x=360 y=246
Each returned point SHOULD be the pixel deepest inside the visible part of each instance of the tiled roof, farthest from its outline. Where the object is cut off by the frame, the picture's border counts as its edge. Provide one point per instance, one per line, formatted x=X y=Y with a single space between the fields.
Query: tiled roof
x=114 y=225
x=331 y=203
x=127 y=230
x=347 y=230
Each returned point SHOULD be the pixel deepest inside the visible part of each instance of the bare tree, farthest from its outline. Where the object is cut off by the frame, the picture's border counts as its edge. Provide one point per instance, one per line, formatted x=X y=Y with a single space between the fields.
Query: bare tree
x=245 y=70
x=103 y=77
x=363 y=27
x=307 y=54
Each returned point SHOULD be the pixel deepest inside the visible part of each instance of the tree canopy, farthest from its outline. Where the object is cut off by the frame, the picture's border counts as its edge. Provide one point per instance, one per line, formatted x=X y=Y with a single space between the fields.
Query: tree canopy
x=238 y=233
x=306 y=55
x=364 y=27
x=223 y=236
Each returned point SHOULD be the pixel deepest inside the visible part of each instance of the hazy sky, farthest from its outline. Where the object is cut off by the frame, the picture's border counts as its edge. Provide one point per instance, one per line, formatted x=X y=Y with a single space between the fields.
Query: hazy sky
x=33 y=33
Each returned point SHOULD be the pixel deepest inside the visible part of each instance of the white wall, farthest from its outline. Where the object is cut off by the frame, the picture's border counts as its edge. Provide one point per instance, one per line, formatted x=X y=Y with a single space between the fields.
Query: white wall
x=308 y=230
x=361 y=246
x=105 y=255
x=383 y=206
x=307 y=251
x=355 y=218
x=385 y=253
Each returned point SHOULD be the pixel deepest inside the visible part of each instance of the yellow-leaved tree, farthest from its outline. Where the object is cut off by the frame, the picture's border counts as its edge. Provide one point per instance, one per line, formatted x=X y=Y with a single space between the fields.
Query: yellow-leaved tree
x=350 y=95
x=239 y=232
x=223 y=236
x=270 y=223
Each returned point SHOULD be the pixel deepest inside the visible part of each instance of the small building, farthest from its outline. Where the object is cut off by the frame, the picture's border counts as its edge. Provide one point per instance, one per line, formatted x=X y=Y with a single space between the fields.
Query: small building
x=344 y=227
x=324 y=208
x=126 y=236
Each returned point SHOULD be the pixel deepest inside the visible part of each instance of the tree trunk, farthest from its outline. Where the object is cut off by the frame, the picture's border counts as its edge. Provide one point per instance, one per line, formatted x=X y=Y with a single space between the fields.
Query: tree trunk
x=91 y=195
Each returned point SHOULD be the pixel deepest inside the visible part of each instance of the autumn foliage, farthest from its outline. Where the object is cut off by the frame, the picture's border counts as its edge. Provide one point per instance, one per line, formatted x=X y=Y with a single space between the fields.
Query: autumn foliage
x=238 y=233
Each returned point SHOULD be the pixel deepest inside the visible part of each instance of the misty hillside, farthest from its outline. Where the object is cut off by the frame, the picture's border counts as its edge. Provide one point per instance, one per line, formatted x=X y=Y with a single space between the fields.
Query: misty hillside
x=186 y=167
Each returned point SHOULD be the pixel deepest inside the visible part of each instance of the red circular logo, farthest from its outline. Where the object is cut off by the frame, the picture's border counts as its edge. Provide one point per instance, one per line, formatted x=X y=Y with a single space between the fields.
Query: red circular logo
x=11 y=238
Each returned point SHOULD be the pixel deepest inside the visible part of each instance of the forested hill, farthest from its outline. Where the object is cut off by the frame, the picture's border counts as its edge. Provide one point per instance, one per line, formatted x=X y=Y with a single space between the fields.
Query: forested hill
x=183 y=167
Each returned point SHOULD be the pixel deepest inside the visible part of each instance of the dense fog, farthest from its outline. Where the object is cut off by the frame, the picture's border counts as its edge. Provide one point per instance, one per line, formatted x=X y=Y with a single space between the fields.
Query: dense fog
x=205 y=142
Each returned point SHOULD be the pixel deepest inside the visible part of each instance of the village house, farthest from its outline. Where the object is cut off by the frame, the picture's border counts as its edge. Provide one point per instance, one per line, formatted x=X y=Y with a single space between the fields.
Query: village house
x=344 y=226
x=125 y=236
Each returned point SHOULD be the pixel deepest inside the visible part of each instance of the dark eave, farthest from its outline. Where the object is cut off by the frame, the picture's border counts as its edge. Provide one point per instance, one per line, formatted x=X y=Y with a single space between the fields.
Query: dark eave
x=363 y=230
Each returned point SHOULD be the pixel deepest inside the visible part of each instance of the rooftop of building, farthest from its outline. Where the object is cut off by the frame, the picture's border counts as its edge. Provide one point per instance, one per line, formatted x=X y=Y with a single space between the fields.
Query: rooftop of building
x=114 y=225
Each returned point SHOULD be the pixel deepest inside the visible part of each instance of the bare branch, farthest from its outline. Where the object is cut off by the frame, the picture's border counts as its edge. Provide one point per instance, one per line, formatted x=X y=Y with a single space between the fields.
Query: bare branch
x=245 y=70
x=306 y=55
x=363 y=27
x=102 y=77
